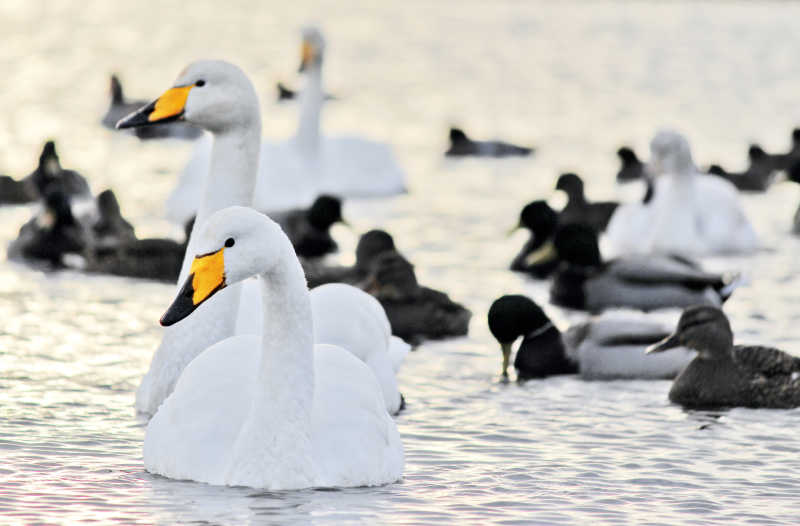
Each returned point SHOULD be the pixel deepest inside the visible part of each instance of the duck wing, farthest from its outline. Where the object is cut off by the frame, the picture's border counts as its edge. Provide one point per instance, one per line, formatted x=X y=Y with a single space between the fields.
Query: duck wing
x=663 y=269
x=766 y=361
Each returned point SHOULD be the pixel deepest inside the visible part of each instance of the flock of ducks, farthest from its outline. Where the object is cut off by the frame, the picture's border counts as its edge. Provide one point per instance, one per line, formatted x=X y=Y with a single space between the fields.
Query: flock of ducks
x=266 y=383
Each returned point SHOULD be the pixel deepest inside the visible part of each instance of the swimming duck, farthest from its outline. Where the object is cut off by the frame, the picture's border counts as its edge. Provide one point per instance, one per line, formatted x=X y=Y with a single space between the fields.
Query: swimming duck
x=50 y=176
x=690 y=213
x=415 y=312
x=632 y=168
x=14 y=192
x=51 y=234
x=347 y=166
x=724 y=375
x=578 y=209
x=783 y=161
x=120 y=107
x=111 y=229
x=606 y=347
x=461 y=145
x=370 y=245
x=757 y=177
x=309 y=228
x=584 y=281
x=271 y=411
x=537 y=257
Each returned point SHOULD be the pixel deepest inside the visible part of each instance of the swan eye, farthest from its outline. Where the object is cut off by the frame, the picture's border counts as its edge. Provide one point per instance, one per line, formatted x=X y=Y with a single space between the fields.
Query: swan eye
x=200 y=83
x=230 y=242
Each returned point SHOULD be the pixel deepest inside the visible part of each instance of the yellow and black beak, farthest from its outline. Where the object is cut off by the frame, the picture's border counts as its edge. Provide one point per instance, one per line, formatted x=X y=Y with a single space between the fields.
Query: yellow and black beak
x=167 y=108
x=206 y=278
x=306 y=56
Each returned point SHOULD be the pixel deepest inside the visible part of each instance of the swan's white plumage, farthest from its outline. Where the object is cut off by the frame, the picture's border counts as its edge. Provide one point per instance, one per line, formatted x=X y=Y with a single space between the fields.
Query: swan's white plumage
x=350 y=318
x=690 y=213
x=274 y=411
x=348 y=166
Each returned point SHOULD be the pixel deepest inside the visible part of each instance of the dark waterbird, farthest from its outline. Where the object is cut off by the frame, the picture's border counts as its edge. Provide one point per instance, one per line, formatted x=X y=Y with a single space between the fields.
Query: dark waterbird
x=784 y=161
x=49 y=176
x=631 y=168
x=461 y=145
x=578 y=209
x=604 y=347
x=727 y=375
x=757 y=177
x=309 y=228
x=285 y=93
x=646 y=282
x=537 y=256
x=370 y=245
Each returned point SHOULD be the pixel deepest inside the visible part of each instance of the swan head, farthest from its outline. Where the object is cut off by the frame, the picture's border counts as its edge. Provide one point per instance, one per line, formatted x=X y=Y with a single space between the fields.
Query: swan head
x=212 y=94
x=670 y=153
x=702 y=328
x=235 y=243
x=313 y=49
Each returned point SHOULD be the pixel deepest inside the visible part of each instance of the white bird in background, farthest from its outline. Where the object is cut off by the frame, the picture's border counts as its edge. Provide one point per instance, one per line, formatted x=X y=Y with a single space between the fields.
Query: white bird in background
x=690 y=213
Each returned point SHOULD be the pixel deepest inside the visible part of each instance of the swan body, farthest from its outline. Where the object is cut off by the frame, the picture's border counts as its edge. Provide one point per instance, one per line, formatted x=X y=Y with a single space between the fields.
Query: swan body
x=347 y=166
x=689 y=214
x=273 y=411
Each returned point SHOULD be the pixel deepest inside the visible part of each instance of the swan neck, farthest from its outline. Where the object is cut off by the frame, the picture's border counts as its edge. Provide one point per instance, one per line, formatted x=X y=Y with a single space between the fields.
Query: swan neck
x=311 y=99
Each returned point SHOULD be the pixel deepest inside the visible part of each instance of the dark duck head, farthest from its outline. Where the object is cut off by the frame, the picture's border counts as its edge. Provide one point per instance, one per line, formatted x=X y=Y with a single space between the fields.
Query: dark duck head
x=392 y=278
x=541 y=352
x=325 y=212
x=572 y=185
x=370 y=245
x=703 y=329
x=631 y=168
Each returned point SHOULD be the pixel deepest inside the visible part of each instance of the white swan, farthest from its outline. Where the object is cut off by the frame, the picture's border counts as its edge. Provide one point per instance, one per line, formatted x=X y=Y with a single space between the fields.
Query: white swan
x=274 y=411
x=347 y=166
x=218 y=97
x=690 y=213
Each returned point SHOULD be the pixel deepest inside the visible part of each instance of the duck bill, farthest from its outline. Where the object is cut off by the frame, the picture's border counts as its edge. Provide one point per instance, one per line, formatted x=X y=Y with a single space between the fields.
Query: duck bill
x=306 y=57
x=206 y=278
x=167 y=108
x=670 y=342
x=506 y=348
x=510 y=232
x=543 y=254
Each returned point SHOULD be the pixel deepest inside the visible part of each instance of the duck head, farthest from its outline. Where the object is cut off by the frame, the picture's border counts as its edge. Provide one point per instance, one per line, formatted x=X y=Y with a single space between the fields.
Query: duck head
x=701 y=328
x=212 y=94
x=670 y=153
x=48 y=173
x=313 y=49
x=513 y=316
x=572 y=185
x=235 y=244
x=370 y=245
x=325 y=212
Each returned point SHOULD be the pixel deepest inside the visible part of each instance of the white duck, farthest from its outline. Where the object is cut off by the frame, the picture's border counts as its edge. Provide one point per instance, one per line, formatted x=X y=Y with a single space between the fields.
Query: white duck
x=347 y=166
x=689 y=213
x=272 y=411
x=218 y=97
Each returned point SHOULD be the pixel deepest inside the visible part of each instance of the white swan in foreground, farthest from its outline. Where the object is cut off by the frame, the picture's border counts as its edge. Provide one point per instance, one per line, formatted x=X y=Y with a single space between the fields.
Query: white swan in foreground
x=218 y=97
x=347 y=166
x=689 y=214
x=275 y=411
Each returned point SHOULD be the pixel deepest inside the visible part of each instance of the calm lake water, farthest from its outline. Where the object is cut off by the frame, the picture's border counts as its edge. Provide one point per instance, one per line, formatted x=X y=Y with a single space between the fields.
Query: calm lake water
x=576 y=80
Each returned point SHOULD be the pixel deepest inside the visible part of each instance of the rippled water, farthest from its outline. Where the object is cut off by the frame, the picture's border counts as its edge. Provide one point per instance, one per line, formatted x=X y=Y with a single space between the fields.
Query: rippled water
x=576 y=80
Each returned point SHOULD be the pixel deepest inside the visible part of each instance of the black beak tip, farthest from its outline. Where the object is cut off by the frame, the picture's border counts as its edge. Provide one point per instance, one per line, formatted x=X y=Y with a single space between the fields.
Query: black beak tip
x=182 y=307
x=137 y=118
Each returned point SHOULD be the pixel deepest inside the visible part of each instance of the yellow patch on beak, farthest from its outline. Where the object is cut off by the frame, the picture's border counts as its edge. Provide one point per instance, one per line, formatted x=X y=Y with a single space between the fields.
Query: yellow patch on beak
x=208 y=275
x=170 y=104
x=307 y=54
x=544 y=253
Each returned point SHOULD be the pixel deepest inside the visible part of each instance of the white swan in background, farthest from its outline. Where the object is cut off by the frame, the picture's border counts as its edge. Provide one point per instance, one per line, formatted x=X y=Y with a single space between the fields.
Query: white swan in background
x=689 y=214
x=218 y=97
x=361 y=327
x=347 y=166
x=273 y=411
